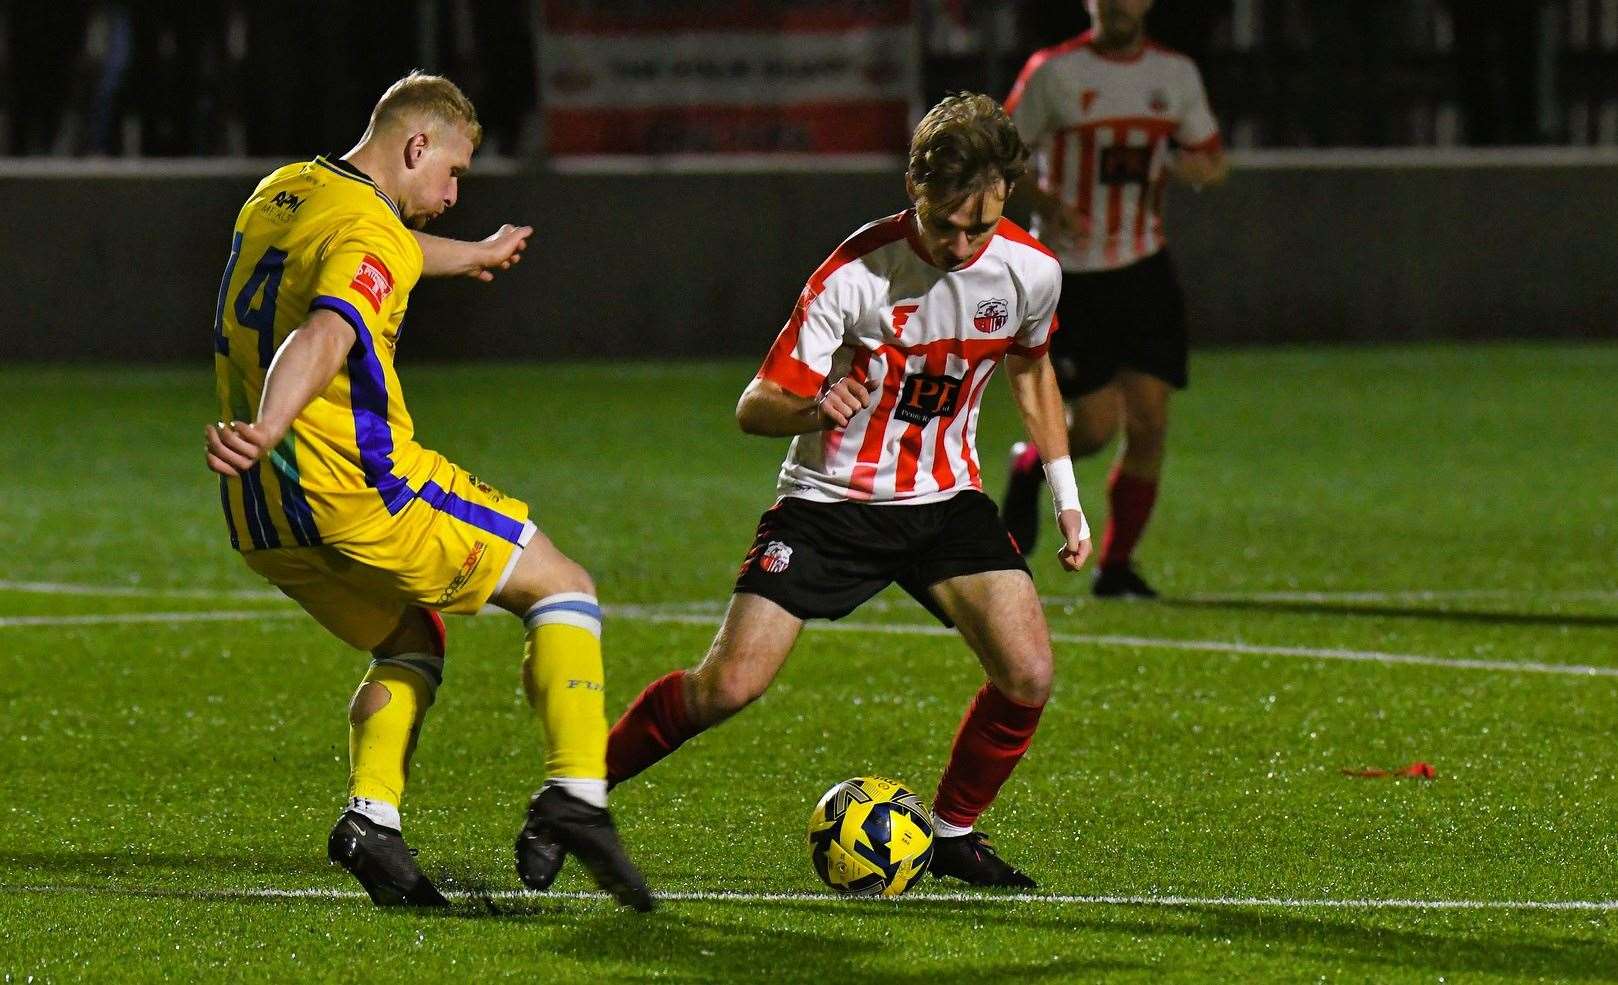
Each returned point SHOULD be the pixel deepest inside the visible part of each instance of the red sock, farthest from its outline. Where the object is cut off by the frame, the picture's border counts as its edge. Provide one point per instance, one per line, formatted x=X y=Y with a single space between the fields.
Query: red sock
x=1129 y=500
x=992 y=738
x=652 y=726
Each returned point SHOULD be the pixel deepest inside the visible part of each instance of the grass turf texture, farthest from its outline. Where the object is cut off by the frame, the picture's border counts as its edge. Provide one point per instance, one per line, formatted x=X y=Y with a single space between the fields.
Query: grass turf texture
x=157 y=775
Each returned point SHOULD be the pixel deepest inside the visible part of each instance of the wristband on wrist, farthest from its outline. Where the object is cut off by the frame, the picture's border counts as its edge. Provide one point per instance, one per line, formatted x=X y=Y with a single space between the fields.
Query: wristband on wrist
x=1065 y=490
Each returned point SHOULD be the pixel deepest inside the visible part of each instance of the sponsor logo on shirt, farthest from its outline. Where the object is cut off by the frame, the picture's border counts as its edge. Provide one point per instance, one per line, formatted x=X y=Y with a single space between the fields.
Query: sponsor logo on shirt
x=1087 y=98
x=1126 y=165
x=283 y=208
x=776 y=557
x=925 y=397
x=373 y=281
x=1160 y=101
x=991 y=315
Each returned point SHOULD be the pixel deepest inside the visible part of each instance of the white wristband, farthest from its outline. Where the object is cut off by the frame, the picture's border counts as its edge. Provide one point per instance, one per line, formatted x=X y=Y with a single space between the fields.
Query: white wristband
x=1065 y=491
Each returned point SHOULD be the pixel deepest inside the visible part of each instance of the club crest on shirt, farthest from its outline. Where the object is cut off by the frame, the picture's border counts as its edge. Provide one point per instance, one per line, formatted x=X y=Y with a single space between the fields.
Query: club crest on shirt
x=494 y=494
x=991 y=315
x=901 y=314
x=1160 y=101
x=1087 y=99
x=775 y=558
x=373 y=281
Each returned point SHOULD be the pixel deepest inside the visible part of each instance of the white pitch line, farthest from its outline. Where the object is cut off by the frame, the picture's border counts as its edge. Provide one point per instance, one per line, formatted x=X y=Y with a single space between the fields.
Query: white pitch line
x=1199 y=646
x=1353 y=656
x=1411 y=595
x=1299 y=595
x=136 y=591
x=117 y=618
x=654 y=614
x=700 y=896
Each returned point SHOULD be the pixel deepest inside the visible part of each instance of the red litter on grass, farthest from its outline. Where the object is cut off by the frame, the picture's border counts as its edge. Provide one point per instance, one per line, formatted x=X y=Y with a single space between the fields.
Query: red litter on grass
x=1415 y=771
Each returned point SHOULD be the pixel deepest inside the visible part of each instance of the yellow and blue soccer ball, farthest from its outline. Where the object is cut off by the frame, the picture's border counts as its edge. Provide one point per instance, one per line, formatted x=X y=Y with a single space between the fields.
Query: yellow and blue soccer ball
x=870 y=836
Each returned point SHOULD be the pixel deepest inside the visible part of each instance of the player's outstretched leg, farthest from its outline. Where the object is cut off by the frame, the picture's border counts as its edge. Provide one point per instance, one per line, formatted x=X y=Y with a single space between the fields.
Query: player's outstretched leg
x=564 y=680
x=1020 y=507
x=655 y=724
x=747 y=653
x=991 y=740
x=999 y=616
x=385 y=721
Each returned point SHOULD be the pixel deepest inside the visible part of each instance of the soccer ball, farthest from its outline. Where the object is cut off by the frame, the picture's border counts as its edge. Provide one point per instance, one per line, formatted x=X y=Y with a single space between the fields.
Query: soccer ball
x=870 y=837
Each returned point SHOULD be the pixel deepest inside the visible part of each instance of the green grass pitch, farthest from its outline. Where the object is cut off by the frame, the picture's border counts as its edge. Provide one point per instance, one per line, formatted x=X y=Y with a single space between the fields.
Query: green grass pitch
x=1371 y=557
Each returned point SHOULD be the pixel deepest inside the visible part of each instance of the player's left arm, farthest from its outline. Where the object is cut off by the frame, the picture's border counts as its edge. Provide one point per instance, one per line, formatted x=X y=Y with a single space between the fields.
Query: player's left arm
x=303 y=367
x=1200 y=168
x=1201 y=161
x=1039 y=400
x=443 y=257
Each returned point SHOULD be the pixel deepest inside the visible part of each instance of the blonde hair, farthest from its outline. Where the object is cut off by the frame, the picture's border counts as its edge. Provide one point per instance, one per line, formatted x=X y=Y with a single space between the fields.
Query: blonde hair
x=962 y=146
x=429 y=98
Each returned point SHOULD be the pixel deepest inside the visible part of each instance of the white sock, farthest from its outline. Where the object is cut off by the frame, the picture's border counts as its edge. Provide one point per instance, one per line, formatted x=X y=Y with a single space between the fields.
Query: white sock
x=944 y=829
x=380 y=811
x=592 y=792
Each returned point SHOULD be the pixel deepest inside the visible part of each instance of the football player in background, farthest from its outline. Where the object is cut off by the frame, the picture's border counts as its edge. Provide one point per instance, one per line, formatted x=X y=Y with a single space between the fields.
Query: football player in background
x=328 y=495
x=1112 y=117
x=877 y=377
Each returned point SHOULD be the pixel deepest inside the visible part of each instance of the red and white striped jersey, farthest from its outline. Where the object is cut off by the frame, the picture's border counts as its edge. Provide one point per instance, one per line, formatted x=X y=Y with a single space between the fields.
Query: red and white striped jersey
x=879 y=311
x=1100 y=126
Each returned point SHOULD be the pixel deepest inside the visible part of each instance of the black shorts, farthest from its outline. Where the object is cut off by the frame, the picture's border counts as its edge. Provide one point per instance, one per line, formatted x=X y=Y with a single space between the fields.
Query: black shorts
x=1129 y=318
x=824 y=560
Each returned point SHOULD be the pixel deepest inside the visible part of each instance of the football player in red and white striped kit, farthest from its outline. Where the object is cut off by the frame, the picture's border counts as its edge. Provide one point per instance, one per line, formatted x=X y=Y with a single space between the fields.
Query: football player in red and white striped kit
x=1112 y=117
x=878 y=376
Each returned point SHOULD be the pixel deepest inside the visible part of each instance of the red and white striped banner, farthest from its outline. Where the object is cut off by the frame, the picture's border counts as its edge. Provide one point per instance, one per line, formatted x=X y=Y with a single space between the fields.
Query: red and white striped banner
x=741 y=77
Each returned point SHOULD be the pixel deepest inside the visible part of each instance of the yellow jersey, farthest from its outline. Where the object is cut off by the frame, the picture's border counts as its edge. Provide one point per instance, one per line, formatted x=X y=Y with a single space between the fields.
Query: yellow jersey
x=320 y=235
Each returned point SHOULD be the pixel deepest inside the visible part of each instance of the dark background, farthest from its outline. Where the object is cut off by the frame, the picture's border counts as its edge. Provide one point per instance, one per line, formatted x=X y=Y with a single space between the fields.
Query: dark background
x=1427 y=241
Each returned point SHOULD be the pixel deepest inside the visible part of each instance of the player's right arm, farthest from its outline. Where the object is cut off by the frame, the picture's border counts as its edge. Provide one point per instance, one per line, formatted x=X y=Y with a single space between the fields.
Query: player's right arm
x=770 y=410
x=792 y=393
x=305 y=365
x=500 y=250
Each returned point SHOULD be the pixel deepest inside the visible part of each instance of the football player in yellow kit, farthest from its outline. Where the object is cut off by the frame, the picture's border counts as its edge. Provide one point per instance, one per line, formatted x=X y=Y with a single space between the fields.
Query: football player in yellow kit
x=328 y=495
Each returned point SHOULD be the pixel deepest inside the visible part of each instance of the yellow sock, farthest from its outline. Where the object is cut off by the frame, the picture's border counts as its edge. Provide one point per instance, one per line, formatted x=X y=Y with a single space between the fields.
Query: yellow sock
x=384 y=721
x=565 y=683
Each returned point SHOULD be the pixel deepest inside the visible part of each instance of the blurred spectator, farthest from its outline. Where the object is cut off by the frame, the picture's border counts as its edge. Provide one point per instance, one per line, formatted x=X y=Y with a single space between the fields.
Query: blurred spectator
x=46 y=41
x=1495 y=58
x=208 y=77
x=492 y=58
x=1352 y=49
x=1188 y=26
x=174 y=42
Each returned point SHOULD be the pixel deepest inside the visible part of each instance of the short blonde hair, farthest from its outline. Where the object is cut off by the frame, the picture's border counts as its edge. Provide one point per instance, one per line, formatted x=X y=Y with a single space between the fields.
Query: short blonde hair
x=962 y=146
x=422 y=97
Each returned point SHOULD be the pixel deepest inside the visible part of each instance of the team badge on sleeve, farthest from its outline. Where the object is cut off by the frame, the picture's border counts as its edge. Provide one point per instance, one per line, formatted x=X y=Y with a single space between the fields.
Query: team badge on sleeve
x=373 y=281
